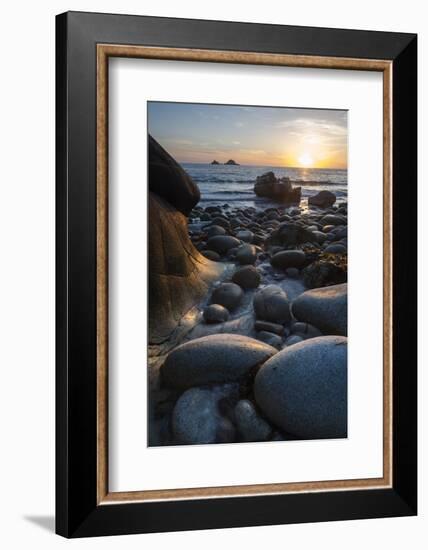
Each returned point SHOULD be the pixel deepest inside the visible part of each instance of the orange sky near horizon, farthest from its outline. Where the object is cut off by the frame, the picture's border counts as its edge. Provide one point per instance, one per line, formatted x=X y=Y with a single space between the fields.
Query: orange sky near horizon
x=260 y=136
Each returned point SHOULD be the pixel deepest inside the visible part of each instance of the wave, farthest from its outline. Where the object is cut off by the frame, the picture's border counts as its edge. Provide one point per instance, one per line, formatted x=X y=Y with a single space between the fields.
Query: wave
x=203 y=181
x=221 y=180
x=319 y=182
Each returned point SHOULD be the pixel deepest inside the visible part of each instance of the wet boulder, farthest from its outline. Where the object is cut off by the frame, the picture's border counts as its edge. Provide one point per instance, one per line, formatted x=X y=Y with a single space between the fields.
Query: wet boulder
x=288 y=258
x=325 y=308
x=228 y=295
x=246 y=254
x=303 y=388
x=215 y=313
x=247 y=277
x=196 y=418
x=218 y=358
x=222 y=243
x=271 y=304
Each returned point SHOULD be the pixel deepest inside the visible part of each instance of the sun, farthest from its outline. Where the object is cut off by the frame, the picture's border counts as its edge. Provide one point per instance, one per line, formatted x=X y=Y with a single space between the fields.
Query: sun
x=305 y=160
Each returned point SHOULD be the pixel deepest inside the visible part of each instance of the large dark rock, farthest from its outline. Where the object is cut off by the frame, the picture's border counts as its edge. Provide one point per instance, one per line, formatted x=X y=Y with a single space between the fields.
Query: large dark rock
x=323 y=199
x=280 y=190
x=168 y=180
x=325 y=308
x=290 y=234
x=303 y=388
x=218 y=358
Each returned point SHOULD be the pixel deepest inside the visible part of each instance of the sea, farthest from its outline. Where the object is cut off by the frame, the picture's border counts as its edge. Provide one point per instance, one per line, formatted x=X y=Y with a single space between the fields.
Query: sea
x=234 y=185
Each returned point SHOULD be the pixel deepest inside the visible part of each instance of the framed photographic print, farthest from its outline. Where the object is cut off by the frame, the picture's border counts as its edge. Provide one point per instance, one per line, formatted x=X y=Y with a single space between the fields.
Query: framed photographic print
x=236 y=274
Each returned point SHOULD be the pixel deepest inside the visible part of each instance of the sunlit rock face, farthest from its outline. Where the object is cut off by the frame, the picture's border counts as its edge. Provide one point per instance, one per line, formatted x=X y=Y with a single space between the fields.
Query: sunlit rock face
x=179 y=276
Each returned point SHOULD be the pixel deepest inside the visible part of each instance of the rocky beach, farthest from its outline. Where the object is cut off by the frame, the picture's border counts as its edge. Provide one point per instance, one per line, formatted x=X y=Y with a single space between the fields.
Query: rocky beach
x=247 y=311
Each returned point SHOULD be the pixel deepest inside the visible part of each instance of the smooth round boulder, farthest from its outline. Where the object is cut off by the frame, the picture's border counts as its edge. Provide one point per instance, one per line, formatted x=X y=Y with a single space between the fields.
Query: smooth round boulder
x=251 y=427
x=320 y=236
x=215 y=313
x=245 y=235
x=215 y=230
x=303 y=388
x=246 y=254
x=333 y=219
x=247 y=277
x=228 y=295
x=325 y=308
x=222 y=243
x=271 y=304
x=288 y=258
x=217 y=358
x=196 y=418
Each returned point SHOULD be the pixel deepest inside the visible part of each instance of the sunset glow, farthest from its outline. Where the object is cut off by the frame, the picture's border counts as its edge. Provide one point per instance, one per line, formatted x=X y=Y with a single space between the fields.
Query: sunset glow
x=260 y=136
x=305 y=160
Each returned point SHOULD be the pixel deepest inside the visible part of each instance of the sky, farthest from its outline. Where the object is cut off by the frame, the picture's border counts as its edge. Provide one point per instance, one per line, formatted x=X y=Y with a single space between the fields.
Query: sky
x=260 y=136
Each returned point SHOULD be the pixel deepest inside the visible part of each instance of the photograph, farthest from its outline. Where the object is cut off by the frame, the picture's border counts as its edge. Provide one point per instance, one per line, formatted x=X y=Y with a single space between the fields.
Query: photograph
x=247 y=262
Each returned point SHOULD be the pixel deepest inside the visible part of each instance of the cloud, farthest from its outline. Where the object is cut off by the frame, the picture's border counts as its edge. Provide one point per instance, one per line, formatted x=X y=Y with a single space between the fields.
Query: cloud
x=181 y=141
x=312 y=126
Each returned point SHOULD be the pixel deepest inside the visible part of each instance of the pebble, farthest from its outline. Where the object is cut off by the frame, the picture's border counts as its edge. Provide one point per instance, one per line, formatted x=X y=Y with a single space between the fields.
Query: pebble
x=215 y=313
x=228 y=295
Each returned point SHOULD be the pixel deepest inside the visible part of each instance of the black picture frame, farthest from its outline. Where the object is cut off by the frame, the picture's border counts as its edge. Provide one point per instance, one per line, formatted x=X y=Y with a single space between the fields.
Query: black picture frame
x=77 y=511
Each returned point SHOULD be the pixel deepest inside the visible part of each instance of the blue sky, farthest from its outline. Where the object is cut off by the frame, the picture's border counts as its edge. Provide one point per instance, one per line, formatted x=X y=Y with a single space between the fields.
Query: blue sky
x=270 y=136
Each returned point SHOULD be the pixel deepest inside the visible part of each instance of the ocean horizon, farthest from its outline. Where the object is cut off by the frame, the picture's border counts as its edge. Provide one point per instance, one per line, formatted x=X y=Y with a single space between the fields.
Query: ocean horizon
x=220 y=184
